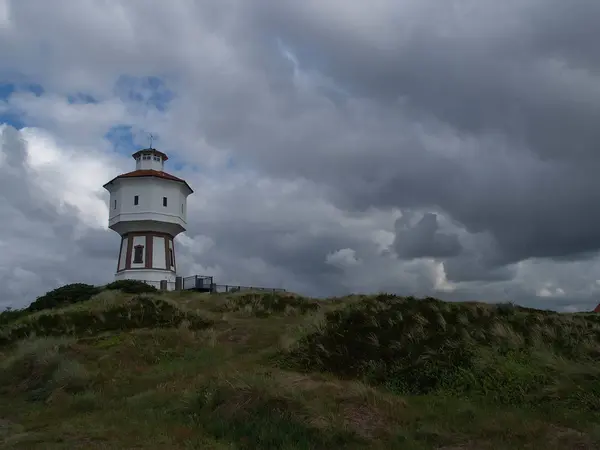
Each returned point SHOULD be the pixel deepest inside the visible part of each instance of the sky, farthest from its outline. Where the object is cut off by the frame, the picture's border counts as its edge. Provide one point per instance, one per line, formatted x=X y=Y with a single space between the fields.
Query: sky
x=418 y=147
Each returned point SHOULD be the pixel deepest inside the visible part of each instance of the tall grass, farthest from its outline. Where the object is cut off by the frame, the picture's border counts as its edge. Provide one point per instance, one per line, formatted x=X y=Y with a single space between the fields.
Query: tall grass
x=267 y=304
x=39 y=367
x=254 y=415
x=504 y=353
x=106 y=312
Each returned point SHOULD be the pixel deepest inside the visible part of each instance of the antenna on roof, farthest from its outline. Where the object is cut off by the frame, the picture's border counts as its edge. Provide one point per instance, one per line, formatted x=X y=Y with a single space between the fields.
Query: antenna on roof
x=150 y=138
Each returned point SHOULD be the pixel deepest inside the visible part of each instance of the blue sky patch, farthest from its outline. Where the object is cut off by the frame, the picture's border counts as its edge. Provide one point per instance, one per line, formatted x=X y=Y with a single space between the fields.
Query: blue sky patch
x=122 y=139
x=81 y=98
x=7 y=89
x=13 y=118
x=126 y=140
x=149 y=91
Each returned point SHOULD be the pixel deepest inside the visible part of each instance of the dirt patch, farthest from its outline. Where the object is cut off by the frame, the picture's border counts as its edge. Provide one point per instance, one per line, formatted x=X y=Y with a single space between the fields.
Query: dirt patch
x=8 y=428
x=234 y=336
x=366 y=421
x=561 y=437
x=359 y=407
x=556 y=438
x=306 y=382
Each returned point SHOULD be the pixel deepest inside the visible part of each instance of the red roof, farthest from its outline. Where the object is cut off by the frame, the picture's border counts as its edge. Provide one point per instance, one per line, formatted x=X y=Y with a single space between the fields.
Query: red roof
x=150 y=173
x=597 y=309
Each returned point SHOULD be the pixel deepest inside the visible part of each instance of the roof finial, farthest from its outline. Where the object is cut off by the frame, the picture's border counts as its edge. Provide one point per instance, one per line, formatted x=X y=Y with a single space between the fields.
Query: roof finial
x=151 y=138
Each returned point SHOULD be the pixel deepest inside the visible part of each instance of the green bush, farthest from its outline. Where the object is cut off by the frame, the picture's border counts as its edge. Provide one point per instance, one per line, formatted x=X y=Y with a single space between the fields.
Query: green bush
x=131 y=287
x=504 y=353
x=10 y=315
x=65 y=295
x=139 y=312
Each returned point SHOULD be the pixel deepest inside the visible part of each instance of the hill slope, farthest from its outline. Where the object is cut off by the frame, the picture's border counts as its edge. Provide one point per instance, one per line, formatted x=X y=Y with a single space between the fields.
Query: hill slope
x=277 y=371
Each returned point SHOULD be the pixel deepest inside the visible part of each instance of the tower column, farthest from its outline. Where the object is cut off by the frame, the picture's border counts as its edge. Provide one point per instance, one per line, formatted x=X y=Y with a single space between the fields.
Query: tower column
x=147 y=250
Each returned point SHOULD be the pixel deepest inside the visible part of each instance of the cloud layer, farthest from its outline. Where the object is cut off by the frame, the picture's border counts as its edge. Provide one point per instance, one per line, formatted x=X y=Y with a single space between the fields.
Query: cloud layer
x=407 y=146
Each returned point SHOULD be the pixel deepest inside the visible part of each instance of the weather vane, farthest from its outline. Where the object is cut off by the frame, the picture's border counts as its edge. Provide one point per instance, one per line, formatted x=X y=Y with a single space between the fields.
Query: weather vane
x=150 y=138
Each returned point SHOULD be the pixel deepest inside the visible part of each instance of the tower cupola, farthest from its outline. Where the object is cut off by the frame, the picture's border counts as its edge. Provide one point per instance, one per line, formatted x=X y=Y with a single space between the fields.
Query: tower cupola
x=149 y=159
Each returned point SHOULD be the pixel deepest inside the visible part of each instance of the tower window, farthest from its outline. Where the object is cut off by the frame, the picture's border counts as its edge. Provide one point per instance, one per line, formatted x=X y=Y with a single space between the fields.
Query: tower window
x=115 y=205
x=164 y=201
x=136 y=200
x=182 y=208
x=171 y=259
x=138 y=254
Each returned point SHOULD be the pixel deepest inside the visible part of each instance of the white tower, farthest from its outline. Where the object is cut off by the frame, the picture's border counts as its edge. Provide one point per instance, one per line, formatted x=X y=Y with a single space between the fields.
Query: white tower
x=148 y=209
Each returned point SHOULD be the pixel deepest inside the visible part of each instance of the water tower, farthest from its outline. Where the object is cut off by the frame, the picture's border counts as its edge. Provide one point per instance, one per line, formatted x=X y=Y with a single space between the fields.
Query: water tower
x=148 y=209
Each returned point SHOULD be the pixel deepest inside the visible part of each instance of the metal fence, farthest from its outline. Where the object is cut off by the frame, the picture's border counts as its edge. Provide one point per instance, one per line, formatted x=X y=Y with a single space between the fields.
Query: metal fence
x=199 y=282
x=204 y=283
x=222 y=288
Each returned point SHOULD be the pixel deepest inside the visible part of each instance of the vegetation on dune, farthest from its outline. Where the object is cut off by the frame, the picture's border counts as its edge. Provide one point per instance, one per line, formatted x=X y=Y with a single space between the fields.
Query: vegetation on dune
x=10 y=315
x=119 y=367
x=40 y=367
x=65 y=295
x=131 y=287
x=256 y=417
x=105 y=313
x=504 y=353
x=74 y=293
x=267 y=304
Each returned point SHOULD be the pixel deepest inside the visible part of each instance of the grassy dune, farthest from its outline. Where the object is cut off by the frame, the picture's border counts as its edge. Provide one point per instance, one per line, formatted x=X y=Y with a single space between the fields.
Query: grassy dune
x=278 y=371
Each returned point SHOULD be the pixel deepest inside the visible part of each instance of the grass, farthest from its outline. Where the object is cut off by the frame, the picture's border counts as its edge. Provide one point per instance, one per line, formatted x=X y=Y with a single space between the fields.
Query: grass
x=39 y=368
x=271 y=370
x=107 y=311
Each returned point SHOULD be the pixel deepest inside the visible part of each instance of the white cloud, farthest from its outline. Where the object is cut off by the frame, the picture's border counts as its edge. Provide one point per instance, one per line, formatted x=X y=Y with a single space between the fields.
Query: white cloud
x=345 y=257
x=4 y=14
x=441 y=283
x=69 y=177
x=550 y=291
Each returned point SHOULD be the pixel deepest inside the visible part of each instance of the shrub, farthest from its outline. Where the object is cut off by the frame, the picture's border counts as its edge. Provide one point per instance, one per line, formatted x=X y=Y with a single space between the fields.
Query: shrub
x=65 y=295
x=39 y=367
x=419 y=346
x=10 y=315
x=131 y=287
x=138 y=312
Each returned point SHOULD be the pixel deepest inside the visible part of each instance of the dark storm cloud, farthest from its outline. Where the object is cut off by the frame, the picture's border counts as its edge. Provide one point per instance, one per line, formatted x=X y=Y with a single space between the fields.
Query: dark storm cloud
x=100 y=243
x=424 y=239
x=489 y=113
x=278 y=243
